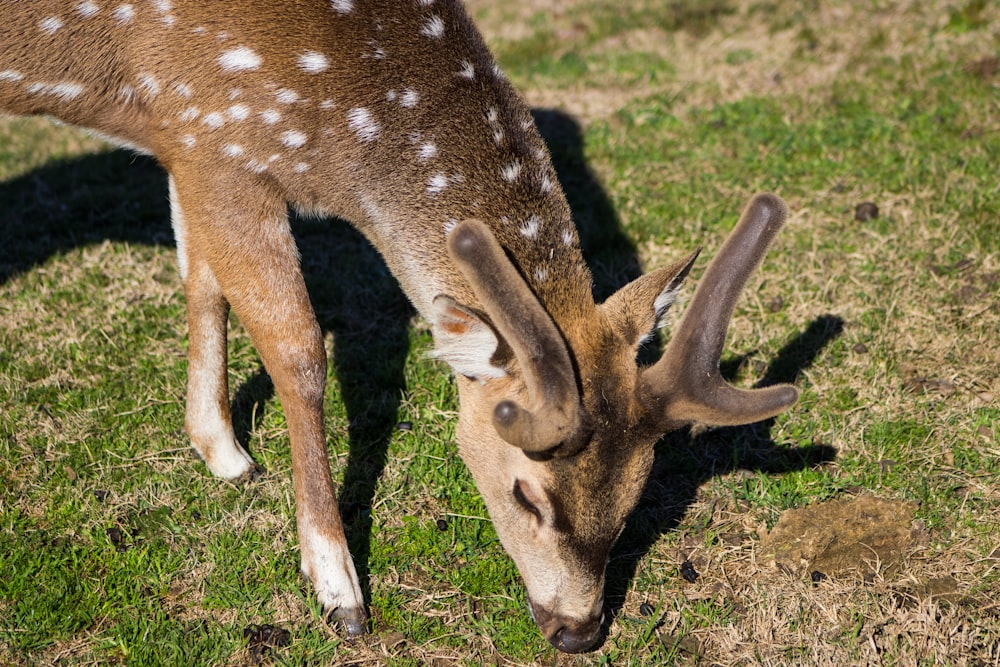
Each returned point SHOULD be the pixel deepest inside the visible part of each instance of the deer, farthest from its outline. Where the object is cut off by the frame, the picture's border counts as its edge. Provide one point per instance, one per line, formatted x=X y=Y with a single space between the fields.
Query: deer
x=395 y=117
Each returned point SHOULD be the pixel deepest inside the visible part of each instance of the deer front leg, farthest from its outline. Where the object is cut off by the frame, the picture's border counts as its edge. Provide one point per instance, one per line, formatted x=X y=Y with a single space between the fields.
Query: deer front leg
x=208 y=421
x=245 y=245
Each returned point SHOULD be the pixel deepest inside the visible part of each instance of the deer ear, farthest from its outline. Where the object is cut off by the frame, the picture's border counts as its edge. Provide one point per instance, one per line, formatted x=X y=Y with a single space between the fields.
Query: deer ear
x=640 y=307
x=465 y=340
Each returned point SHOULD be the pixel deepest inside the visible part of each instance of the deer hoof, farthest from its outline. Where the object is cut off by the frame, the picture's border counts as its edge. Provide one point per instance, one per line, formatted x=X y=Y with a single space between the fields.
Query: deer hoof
x=354 y=620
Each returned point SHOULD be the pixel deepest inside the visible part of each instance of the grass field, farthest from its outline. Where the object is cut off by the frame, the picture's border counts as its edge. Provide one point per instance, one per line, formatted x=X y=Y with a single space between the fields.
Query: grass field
x=664 y=117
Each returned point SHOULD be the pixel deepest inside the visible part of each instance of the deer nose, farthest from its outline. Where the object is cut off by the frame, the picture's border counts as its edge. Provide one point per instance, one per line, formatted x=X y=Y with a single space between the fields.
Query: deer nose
x=569 y=635
x=577 y=637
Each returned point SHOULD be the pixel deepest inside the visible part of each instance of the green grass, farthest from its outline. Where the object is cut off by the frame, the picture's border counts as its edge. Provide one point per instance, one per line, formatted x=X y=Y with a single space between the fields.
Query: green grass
x=116 y=546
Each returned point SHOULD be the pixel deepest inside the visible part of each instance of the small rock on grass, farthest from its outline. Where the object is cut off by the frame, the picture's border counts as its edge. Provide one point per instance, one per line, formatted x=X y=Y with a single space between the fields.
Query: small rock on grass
x=865 y=211
x=688 y=572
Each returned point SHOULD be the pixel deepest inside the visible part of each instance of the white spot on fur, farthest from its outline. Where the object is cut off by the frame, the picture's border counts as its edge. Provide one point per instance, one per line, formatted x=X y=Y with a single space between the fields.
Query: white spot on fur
x=434 y=28
x=255 y=166
x=541 y=274
x=313 y=62
x=64 y=90
x=127 y=94
x=294 y=138
x=390 y=96
x=182 y=89
x=530 y=227
x=234 y=93
x=498 y=136
x=498 y=73
x=449 y=225
x=546 y=184
x=437 y=183
x=410 y=98
x=428 y=151
x=301 y=168
x=327 y=104
x=188 y=140
x=163 y=6
x=361 y=122
x=51 y=25
x=10 y=75
x=342 y=6
x=467 y=71
x=238 y=112
x=233 y=150
x=286 y=96
x=239 y=59
x=270 y=116
x=87 y=9
x=492 y=115
x=199 y=30
x=511 y=171
x=149 y=85
x=567 y=237
x=123 y=13
x=189 y=114
x=213 y=120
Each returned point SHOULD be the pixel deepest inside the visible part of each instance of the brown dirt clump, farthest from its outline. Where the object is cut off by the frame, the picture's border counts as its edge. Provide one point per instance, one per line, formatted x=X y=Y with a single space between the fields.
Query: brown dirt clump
x=865 y=535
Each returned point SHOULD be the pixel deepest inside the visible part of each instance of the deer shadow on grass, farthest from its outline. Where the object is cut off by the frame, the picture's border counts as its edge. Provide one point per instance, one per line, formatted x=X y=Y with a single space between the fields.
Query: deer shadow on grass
x=121 y=197
x=685 y=460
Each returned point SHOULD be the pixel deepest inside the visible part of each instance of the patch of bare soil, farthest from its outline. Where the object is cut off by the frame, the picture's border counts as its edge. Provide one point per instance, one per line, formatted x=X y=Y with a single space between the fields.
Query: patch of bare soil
x=863 y=535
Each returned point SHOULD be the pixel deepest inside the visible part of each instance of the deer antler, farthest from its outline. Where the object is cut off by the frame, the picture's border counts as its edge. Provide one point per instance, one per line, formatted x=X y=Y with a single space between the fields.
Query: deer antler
x=538 y=346
x=686 y=379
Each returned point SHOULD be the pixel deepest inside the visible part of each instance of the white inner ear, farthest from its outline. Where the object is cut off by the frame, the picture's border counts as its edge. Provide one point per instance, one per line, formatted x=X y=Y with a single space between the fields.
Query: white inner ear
x=463 y=340
x=661 y=305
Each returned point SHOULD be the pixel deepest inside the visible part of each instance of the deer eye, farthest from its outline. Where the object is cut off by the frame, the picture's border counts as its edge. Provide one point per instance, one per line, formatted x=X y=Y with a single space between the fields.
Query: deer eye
x=523 y=501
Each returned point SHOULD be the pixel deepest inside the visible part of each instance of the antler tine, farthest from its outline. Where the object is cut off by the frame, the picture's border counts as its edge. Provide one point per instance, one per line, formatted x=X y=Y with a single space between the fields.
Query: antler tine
x=538 y=346
x=687 y=377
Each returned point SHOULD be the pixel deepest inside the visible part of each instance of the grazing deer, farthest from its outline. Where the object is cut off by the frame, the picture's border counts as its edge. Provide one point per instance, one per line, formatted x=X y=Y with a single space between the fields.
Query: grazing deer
x=394 y=116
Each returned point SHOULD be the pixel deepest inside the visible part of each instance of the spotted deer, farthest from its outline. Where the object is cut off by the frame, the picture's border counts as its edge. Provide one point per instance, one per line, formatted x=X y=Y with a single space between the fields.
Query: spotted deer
x=394 y=116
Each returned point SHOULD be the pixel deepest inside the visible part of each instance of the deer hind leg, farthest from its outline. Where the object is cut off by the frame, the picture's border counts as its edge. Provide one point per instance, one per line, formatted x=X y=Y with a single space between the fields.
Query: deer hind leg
x=244 y=243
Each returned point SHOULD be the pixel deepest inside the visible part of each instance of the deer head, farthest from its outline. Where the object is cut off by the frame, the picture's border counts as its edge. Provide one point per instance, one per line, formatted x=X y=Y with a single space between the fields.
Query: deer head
x=558 y=421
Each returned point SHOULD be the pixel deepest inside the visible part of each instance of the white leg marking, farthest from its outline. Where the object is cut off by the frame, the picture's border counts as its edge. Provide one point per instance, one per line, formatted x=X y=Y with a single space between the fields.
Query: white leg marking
x=330 y=568
x=212 y=436
x=177 y=222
